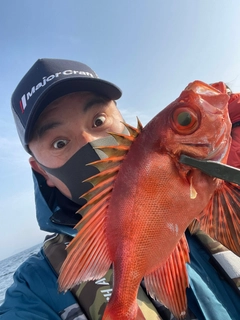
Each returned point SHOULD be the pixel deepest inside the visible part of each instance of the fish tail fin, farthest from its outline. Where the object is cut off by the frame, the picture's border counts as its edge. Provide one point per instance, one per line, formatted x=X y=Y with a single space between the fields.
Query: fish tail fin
x=221 y=218
x=169 y=282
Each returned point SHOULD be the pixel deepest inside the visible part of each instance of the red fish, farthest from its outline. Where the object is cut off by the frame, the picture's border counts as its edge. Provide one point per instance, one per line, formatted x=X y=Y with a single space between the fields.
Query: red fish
x=144 y=199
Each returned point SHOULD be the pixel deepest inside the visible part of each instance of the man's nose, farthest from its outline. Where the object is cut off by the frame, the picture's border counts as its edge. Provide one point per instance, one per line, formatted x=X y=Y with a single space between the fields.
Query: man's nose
x=87 y=137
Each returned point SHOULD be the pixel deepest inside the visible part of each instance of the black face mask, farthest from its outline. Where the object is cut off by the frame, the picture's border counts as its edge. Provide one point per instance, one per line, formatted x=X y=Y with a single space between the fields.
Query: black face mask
x=75 y=170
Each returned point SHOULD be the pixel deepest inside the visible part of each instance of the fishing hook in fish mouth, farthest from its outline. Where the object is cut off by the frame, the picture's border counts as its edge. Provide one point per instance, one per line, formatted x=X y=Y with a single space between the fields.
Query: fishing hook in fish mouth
x=213 y=168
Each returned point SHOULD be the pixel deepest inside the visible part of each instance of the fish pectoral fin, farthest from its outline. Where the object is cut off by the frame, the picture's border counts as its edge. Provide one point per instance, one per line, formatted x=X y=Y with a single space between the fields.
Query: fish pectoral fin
x=221 y=218
x=87 y=254
x=168 y=283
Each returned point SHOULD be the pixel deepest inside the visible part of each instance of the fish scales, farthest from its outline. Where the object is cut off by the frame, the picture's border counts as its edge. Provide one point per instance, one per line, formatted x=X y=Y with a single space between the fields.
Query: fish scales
x=150 y=202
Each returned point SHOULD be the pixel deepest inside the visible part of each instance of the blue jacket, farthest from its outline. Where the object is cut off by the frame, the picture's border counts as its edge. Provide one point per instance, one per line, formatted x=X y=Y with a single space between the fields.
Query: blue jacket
x=34 y=294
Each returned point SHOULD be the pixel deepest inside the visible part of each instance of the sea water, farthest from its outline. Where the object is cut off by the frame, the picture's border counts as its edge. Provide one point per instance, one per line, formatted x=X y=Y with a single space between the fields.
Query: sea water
x=9 y=265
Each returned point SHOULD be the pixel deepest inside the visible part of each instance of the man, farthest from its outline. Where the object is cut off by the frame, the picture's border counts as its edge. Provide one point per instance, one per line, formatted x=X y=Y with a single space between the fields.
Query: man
x=62 y=110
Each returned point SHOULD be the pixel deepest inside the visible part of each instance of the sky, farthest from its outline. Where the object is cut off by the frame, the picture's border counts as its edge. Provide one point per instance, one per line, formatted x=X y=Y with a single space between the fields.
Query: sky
x=151 y=49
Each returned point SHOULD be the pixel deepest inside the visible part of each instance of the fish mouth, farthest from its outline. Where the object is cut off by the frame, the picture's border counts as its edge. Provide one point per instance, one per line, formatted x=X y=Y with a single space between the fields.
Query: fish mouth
x=219 y=153
x=214 y=154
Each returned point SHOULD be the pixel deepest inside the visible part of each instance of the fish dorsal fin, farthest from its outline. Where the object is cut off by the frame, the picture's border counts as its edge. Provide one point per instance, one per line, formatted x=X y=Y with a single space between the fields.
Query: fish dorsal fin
x=87 y=254
x=169 y=282
x=221 y=218
x=108 y=167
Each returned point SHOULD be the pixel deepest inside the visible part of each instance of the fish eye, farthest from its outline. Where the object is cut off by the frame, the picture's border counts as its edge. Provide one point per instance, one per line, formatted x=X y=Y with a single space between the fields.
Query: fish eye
x=185 y=120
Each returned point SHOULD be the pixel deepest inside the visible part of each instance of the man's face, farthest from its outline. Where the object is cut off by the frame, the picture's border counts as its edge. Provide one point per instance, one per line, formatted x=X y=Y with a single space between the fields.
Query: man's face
x=66 y=125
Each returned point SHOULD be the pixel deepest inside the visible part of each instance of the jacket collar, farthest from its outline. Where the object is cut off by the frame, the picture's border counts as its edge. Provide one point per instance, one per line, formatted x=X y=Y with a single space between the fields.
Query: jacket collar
x=49 y=215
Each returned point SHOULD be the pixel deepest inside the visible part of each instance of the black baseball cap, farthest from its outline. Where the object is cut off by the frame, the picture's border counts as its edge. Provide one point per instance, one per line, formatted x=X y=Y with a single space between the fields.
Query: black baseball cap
x=48 y=80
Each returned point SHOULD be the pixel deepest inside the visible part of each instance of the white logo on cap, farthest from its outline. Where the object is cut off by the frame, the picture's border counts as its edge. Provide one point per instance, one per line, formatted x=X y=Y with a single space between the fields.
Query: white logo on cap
x=27 y=96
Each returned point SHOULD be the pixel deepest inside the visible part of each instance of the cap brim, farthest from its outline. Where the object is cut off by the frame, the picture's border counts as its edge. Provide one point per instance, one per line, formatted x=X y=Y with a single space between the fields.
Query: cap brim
x=67 y=86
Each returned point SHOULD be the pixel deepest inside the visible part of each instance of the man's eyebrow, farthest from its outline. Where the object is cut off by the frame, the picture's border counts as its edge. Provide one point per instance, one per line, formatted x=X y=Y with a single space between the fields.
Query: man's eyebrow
x=41 y=131
x=94 y=101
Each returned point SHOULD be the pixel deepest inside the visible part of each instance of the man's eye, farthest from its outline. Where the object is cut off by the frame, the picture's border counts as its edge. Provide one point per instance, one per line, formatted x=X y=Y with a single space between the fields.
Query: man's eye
x=59 y=144
x=99 y=121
